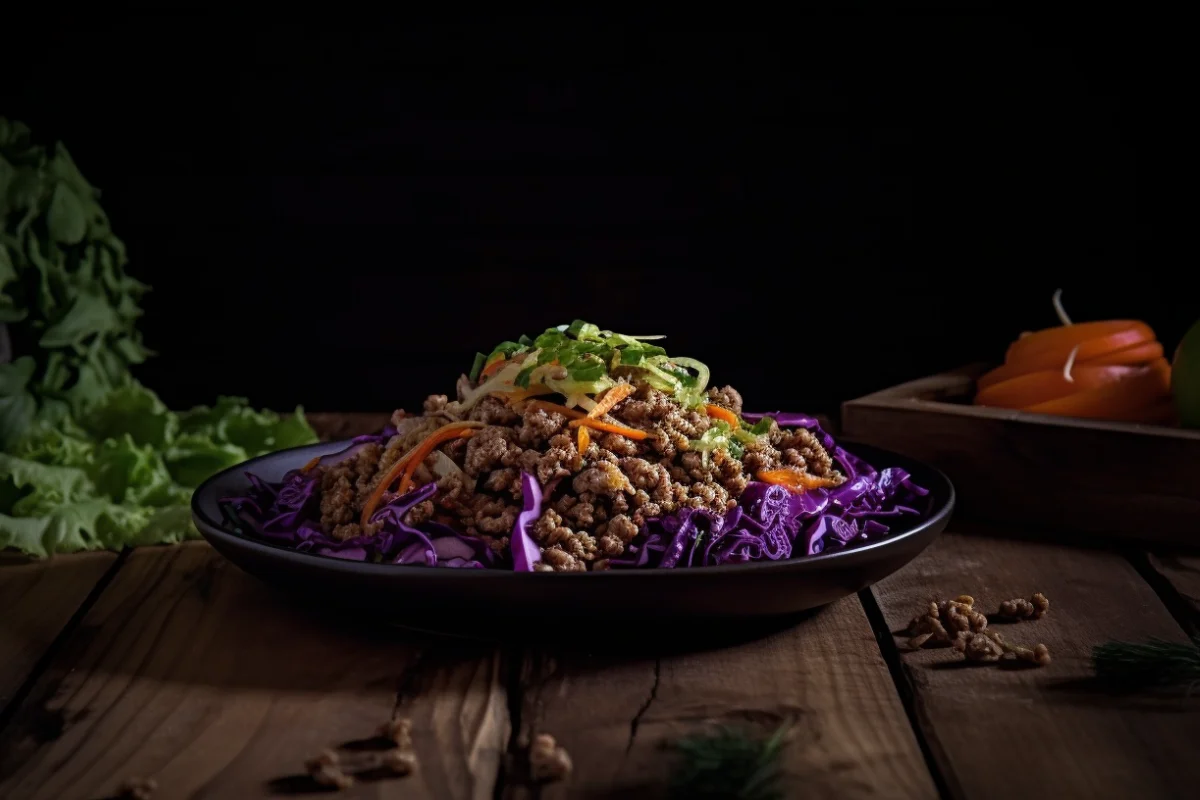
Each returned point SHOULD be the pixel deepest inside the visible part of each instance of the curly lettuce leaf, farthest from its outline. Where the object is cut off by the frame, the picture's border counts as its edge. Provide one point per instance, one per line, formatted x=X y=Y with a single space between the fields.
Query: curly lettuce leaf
x=123 y=473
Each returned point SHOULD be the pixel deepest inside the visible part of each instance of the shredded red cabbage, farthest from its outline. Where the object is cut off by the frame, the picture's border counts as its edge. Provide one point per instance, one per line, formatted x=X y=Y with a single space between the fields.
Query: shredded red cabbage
x=772 y=523
x=288 y=513
x=769 y=522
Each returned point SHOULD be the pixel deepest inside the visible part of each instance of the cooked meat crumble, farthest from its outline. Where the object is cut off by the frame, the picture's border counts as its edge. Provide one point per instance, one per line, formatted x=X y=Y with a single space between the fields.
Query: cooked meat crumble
x=596 y=501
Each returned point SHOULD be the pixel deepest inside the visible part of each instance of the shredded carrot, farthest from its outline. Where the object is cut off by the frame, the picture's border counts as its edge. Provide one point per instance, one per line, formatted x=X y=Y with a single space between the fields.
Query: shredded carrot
x=517 y=395
x=546 y=405
x=426 y=449
x=492 y=368
x=613 y=396
x=794 y=480
x=311 y=464
x=723 y=414
x=448 y=431
x=585 y=439
x=629 y=433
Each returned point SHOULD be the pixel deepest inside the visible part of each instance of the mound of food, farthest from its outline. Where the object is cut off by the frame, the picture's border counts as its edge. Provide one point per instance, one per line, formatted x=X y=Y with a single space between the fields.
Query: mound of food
x=581 y=449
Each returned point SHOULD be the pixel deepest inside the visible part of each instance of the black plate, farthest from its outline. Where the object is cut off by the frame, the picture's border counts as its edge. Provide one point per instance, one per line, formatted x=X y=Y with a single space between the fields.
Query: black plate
x=427 y=596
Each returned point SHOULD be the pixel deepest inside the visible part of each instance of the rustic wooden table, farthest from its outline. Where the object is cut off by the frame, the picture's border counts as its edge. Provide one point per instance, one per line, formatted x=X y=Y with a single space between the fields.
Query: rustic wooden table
x=169 y=662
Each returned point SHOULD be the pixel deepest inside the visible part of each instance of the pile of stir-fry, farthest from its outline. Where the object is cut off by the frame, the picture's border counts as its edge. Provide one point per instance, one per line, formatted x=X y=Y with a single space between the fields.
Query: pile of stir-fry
x=580 y=449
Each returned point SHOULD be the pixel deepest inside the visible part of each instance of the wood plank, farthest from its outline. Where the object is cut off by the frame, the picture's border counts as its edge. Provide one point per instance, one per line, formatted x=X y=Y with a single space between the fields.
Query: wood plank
x=38 y=599
x=1182 y=572
x=1086 y=479
x=333 y=425
x=191 y=672
x=614 y=713
x=1050 y=731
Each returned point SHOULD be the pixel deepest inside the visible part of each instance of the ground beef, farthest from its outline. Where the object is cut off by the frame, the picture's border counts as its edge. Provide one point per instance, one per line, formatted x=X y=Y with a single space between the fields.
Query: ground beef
x=486 y=449
x=494 y=411
x=420 y=514
x=344 y=488
x=760 y=456
x=595 y=502
x=642 y=474
x=801 y=448
x=554 y=536
x=506 y=479
x=605 y=478
x=726 y=397
x=538 y=425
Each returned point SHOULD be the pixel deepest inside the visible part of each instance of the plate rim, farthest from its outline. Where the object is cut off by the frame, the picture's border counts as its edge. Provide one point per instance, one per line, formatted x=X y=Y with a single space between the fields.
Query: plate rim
x=212 y=529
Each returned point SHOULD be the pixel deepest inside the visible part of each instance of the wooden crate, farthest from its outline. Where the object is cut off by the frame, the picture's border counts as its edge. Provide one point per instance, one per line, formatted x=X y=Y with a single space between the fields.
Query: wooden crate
x=1042 y=473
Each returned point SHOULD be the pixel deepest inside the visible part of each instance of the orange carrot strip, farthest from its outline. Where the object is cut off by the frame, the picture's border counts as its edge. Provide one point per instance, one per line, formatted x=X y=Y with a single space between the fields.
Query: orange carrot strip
x=723 y=414
x=312 y=463
x=629 y=433
x=418 y=457
x=517 y=395
x=613 y=396
x=797 y=481
x=585 y=439
x=398 y=468
x=546 y=405
x=492 y=368
x=1045 y=385
x=1122 y=401
x=1063 y=338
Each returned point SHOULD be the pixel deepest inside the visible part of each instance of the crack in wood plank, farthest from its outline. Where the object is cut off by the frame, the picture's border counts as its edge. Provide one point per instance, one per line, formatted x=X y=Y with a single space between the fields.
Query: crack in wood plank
x=641 y=712
x=44 y=602
x=822 y=673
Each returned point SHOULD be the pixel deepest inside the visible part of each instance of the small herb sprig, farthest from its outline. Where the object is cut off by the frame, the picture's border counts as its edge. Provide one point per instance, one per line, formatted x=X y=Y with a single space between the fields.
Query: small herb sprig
x=728 y=763
x=1154 y=663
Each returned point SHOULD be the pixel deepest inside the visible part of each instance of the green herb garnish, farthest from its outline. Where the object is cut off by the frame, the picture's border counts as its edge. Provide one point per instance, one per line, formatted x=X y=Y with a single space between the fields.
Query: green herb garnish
x=589 y=355
x=763 y=426
x=477 y=367
x=1152 y=663
x=728 y=763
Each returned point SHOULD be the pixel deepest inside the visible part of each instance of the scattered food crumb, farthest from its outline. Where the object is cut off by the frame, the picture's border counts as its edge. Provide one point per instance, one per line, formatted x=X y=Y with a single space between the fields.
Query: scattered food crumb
x=399 y=731
x=548 y=761
x=979 y=647
x=139 y=788
x=399 y=761
x=991 y=646
x=957 y=623
x=1033 y=608
x=325 y=768
x=944 y=621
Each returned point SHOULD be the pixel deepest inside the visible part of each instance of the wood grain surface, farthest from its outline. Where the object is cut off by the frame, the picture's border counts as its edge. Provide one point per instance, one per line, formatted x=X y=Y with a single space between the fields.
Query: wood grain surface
x=188 y=671
x=615 y=714
x=1002 y=732
x=37 y=599
x=1182 y=572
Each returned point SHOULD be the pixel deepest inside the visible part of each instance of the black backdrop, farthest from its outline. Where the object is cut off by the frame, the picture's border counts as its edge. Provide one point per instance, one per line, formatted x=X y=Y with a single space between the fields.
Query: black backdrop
x=341 y=215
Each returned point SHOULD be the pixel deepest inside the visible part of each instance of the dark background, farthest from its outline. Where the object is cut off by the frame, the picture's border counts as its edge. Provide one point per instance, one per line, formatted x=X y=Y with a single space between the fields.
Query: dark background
x=340 y=215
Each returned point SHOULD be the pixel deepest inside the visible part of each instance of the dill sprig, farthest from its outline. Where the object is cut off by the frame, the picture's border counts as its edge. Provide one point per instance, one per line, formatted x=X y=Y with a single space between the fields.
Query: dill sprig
x=1153 y=663
x=728 y=763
